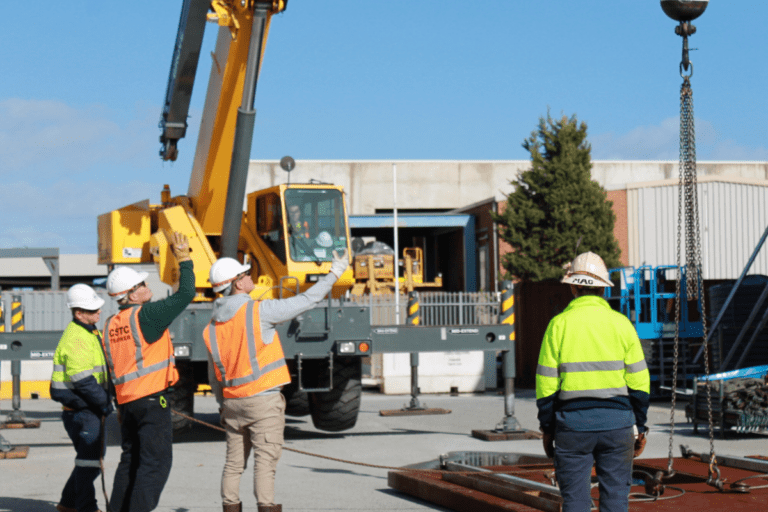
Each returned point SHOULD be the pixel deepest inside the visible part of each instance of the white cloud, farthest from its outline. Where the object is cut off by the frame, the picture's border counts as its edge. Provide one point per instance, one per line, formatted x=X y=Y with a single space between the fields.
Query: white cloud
x=49 y=137
x=63 y=214
x=731 y=150
x=662 y=142
x=29 y=236
x=63 y=166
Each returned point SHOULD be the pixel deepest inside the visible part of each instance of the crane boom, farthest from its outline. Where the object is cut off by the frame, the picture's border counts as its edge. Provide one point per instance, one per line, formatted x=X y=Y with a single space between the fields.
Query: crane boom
x=181 y=79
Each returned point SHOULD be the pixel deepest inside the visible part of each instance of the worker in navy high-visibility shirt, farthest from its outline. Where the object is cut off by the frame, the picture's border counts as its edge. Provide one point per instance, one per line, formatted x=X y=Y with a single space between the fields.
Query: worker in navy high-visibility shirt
x=80 y=383
x=592 y=387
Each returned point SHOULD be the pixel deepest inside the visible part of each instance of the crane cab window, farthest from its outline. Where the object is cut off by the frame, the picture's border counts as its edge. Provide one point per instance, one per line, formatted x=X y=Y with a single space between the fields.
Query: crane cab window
x=316 y=225
x=269 y=223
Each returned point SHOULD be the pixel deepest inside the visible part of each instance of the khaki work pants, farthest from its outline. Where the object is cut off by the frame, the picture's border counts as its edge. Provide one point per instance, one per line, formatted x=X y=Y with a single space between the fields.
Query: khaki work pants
x=253 y=422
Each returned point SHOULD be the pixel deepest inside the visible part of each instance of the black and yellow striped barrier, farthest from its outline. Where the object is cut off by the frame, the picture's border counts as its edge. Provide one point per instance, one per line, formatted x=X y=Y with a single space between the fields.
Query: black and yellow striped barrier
x=17 y=314
x=508 y=306
x=414 y=317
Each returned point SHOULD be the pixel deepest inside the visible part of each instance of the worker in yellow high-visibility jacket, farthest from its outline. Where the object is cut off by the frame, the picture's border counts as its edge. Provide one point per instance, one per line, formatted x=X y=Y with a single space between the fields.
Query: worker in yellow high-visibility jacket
x=592 y=387
x=80 y=383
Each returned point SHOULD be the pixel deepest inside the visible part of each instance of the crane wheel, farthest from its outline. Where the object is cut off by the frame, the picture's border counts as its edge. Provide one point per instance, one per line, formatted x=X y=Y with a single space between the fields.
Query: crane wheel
x=337 y=409
x=183 y=397
x=296 y=401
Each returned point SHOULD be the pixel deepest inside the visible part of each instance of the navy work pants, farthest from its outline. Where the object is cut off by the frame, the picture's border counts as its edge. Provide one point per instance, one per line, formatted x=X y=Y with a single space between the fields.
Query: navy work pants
x=611 y=451
x=147 y=443
x=84 y=429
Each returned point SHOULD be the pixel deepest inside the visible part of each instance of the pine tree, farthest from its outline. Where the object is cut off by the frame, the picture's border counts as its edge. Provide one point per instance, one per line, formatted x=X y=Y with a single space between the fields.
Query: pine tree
x=556 y=206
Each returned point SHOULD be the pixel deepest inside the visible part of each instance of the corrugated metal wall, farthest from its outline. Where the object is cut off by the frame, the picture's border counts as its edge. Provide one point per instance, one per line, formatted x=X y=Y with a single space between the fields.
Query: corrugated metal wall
x=48 y=311
x=732 y=218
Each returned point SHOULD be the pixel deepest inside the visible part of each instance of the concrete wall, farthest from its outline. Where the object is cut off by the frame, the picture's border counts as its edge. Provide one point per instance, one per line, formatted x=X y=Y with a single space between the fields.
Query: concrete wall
x=438 y=184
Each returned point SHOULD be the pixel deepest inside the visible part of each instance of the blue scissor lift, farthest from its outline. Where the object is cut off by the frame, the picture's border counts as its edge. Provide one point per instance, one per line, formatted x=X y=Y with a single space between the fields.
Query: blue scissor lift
x=646 y=295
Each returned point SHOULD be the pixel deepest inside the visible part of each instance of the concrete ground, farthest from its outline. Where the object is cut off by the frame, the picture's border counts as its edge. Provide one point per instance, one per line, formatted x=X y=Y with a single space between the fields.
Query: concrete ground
x=306 y=483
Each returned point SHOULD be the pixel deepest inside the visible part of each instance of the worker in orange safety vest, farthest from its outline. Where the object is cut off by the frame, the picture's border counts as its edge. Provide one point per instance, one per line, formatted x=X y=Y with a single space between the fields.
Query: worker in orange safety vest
x=247 y=370
x=139 y=354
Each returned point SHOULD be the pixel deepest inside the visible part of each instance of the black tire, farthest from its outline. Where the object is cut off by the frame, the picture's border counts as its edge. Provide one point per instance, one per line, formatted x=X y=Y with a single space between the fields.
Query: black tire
x=296 y=402
x=337 y=409
x=183 y=397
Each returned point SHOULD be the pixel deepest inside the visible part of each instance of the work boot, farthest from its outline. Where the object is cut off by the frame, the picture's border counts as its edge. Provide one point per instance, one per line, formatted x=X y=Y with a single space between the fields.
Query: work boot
x=62 y=508
x=237 y=507
x=270 y=508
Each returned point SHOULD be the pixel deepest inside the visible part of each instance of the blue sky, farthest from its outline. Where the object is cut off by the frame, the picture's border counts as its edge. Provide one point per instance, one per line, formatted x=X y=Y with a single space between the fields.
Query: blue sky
x=84 y=84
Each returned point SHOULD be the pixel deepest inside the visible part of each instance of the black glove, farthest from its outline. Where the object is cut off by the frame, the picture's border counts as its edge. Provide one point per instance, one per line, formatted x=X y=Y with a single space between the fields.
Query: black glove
x=549 y=444
x=107 y=409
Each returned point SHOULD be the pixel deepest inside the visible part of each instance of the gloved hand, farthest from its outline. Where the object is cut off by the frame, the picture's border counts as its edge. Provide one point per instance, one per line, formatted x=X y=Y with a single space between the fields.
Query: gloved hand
x=107 y=409
x=340 y=263
x=180 y=246
x=221 y=418
x=640 y=444
x=549 y=444
x=119 y=416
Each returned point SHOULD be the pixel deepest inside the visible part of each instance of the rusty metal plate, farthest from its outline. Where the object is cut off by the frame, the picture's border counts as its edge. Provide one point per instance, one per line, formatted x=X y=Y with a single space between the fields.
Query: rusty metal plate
x=432 y=488
x=687 y=490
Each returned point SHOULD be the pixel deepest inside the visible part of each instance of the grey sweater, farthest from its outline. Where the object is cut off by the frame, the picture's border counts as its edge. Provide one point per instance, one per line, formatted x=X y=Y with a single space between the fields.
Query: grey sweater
x=271 y=313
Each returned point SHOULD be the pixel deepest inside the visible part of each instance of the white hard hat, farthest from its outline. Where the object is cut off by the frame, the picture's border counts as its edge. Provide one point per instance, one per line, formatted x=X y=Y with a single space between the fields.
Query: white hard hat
x=122 y=279
x=587 y=269
x=324 y=239
x=224 y=271
x=84 y=297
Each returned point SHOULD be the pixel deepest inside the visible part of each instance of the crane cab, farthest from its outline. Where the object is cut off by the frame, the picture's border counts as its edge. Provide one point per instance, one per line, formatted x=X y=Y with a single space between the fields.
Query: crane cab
x=292 y=231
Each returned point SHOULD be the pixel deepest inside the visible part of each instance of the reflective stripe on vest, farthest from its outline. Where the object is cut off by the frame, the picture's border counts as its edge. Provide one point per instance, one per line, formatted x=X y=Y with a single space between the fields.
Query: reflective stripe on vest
x=258 y=376
x=128 y=354
x=590 y=367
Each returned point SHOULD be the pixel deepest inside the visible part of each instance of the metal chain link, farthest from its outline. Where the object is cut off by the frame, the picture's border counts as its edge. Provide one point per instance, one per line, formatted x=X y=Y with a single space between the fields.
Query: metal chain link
x=678 y=286
x=688 y=165
x=688 y=194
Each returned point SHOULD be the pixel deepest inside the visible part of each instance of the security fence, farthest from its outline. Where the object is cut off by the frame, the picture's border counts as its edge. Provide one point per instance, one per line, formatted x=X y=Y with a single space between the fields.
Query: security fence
x=48 y=311
x=44 y=310
x=435 y=308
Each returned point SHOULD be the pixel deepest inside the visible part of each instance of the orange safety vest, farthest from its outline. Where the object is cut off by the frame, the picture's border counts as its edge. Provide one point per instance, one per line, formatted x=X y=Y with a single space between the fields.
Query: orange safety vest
x=243 y=363
x=138 y=368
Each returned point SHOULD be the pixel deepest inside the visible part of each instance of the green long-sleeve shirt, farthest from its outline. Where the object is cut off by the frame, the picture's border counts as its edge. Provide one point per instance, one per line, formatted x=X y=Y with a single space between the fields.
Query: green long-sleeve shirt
x=156 y=317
